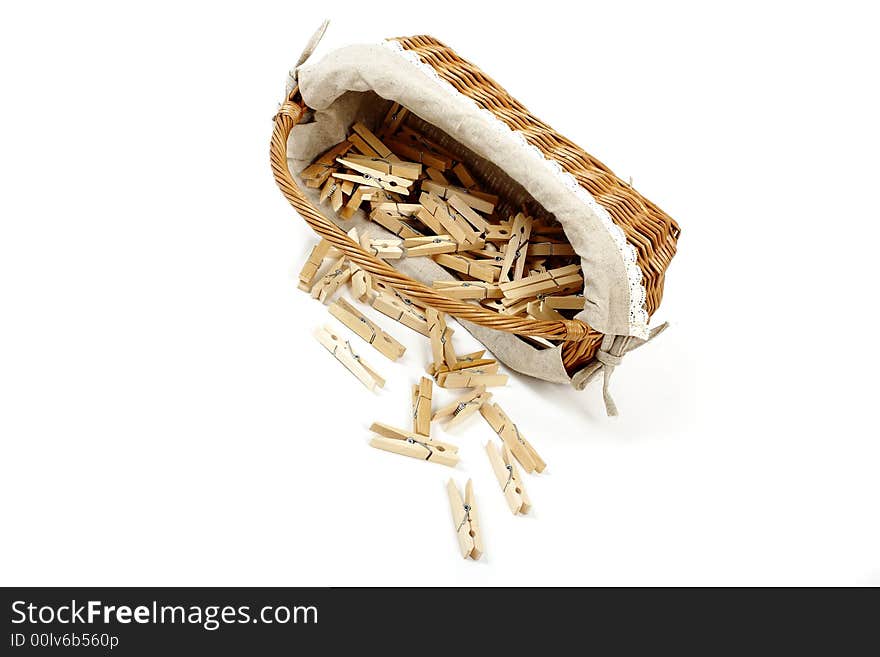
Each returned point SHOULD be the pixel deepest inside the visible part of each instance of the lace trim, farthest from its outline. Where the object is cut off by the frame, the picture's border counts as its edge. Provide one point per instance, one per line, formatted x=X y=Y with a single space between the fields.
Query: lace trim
x=638 y=316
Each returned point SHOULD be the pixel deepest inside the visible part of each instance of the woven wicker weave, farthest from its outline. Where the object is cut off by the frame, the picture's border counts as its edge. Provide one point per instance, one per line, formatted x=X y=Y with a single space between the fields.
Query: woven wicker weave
x=651 y=231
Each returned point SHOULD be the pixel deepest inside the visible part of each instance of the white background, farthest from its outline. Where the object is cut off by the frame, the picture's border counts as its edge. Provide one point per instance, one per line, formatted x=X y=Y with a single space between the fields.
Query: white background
x=167 y=418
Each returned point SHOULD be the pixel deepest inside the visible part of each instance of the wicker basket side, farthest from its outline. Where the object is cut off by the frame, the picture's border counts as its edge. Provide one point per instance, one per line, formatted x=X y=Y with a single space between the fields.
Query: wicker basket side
x=650 y=230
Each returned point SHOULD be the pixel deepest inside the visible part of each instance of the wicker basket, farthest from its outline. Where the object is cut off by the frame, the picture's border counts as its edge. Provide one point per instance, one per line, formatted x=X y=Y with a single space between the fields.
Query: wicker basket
x=651 y=231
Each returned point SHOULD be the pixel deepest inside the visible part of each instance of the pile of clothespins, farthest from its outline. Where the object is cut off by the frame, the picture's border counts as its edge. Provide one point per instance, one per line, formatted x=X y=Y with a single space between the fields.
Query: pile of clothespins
x=501 y=264
x=505 y=260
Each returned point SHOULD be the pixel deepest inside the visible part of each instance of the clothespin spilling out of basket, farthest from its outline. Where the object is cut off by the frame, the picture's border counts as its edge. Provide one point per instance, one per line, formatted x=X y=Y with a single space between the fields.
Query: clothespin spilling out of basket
x=343 y=352
x=421 y=402
x=464 y=519
x=463 y=407
x=368 y=330
x=327 y=285
x=414 y=445
x=508 y=478
x=511 y=436
x=441 y=340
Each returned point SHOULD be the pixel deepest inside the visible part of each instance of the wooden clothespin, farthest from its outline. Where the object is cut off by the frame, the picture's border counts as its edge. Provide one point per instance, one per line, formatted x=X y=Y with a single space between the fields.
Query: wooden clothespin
x=393 y=119
x=405 y=443
x=421 y=399
x=441 y=339
x=394 y=307
x=413 y=146
x=499 y=232
x=463 y=407
x=539 y=310
x=361 y=282
x=376 y=144
x=317 y=173
x=464 y=518
x=464 y=176
x=508 y=478
x=481 y=270
x=570 y=302
x=510 y=436
x=380 y=166
x=468 y=289
x=436 y=175
x=430 y=245
x=550 y=249
x=399 y=209
x=393 y=223
x=472 y=377
x=484 y=203
x=514 y=254
x=468 y=361
x=321 y=251
x=332 y=189
x=386 y=248
x=358 y=196
x=327 y=285
x=552 y=281
x=475 y=220
x=345 y=354
x=371 y=332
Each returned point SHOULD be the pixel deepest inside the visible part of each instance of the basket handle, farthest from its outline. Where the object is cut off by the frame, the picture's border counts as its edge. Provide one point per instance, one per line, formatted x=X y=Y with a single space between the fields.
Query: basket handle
x=290 y=113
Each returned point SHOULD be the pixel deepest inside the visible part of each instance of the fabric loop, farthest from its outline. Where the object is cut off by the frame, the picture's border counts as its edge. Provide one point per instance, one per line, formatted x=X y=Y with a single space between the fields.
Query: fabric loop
x=608 y=359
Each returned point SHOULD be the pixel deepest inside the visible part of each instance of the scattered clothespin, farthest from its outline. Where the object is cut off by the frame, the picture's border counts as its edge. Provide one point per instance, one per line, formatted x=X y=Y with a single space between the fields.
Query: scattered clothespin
x=464 y=518
x=441 y=339
x=466 y=362
x=554 y=280
x=408 y=315
x=463 y=407
x=345 y=354
x=361 y=282
x=405 y=443
x=327 y=285
x=309 y=272
x=508 y=478
x=510 y=436
x=366 y=329
x=422 y=393
x=472 y=377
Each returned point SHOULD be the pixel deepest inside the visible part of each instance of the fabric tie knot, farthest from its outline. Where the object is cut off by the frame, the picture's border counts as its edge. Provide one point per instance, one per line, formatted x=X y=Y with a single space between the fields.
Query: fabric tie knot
x=609 y=356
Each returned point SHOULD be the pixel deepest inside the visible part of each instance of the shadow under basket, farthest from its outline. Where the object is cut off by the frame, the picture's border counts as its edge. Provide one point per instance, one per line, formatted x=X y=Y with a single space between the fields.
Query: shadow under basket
x=361 y=83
